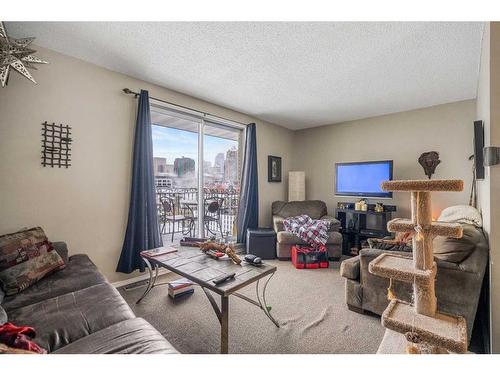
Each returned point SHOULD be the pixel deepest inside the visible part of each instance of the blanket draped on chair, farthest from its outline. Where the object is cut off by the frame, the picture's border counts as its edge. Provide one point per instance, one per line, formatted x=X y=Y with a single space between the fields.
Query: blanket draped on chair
x=314 y=232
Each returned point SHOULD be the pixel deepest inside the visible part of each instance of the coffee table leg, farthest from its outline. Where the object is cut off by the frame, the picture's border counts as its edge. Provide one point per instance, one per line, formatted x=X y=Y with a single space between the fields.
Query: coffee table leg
x=263 y=303
x=224 y=325
x=152 y=279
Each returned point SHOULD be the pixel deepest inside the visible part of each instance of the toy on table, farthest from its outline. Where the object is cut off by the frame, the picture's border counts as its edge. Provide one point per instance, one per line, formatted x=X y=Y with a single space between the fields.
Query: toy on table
x=209 y=247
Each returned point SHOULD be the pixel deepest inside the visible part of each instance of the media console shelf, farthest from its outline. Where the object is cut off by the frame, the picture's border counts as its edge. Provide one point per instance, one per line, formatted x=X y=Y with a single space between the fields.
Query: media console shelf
x=357 y=226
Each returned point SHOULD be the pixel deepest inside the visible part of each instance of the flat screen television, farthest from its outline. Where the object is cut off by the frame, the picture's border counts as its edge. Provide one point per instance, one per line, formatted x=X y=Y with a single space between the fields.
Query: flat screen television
x=362 y=179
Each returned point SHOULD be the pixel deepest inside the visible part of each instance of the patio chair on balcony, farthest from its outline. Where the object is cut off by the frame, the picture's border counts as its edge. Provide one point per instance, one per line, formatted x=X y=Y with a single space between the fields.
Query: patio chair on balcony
x=168 y=215
x=191 y=216
x=213 y=214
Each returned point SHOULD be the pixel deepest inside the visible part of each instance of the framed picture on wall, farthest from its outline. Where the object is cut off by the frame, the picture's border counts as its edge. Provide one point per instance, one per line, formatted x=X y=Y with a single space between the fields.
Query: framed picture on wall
x=273 y=169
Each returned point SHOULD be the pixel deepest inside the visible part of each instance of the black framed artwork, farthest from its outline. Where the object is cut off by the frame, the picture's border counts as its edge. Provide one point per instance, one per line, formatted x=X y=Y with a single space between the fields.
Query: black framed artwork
x=273 y=169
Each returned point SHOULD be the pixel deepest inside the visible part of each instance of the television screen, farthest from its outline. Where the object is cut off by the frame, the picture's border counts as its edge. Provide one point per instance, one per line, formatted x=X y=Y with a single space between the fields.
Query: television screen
x=363 y=179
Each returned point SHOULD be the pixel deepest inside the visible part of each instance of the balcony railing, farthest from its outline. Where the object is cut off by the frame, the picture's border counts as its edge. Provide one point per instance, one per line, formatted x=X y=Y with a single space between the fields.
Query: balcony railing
x=184 y=202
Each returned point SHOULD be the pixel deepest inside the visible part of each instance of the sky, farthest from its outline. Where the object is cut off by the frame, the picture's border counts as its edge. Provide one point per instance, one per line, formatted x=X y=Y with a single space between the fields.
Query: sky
x=173 y=143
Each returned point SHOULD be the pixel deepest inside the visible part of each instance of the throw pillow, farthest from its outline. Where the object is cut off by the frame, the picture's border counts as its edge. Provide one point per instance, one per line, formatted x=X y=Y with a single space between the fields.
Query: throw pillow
x=25 y=258
x=462 y=215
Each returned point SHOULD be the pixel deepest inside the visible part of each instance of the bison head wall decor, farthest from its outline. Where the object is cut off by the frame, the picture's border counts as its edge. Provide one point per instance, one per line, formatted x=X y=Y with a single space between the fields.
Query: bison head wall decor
x=429 y=161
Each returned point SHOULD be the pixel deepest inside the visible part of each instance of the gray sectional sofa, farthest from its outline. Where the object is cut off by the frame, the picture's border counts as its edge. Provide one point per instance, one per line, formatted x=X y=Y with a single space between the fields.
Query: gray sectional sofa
x=76 y=310
x=461 y=265
x=314 y=209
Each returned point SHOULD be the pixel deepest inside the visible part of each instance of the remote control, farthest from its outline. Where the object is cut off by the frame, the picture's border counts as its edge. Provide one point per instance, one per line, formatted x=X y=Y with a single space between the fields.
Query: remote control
x=223 y=278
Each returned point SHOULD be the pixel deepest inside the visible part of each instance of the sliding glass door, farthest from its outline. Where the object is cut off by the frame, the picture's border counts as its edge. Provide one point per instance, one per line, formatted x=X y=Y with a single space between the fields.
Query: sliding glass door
x=175 y=162
x=221 y=178
x=197 y=167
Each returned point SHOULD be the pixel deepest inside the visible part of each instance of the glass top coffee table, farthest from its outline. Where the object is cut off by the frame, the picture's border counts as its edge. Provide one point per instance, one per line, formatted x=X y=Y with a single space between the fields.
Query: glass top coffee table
x=194 y=265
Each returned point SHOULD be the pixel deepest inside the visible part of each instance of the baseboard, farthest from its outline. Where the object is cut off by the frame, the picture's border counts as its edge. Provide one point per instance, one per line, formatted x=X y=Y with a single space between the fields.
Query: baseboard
x=118 y=284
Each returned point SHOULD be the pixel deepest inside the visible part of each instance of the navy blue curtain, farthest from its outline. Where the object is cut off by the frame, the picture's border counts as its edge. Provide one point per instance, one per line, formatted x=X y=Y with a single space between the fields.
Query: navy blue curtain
x=142 y=226
x=248 y=212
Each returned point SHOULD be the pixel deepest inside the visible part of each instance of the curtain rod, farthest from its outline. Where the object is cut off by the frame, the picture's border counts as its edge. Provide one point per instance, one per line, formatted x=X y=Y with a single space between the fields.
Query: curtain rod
x=204 y=114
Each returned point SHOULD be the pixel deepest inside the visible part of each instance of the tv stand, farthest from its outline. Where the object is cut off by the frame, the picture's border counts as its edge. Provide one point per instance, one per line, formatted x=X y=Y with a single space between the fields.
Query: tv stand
x=355 y=230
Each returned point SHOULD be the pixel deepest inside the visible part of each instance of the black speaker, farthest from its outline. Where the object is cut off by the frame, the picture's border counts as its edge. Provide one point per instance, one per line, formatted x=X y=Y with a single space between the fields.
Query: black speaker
x=478 y=149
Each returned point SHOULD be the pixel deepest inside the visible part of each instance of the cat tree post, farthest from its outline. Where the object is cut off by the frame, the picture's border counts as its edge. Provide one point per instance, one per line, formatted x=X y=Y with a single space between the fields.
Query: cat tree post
x=423 y=259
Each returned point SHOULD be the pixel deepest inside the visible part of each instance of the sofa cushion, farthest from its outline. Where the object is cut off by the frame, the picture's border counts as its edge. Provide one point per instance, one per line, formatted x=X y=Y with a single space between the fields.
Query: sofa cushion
x=290 y=238
x=455 y=250
x=134 y=336
x=80 y=273
x=25 y=258
x=314 y=209
x=64 y=319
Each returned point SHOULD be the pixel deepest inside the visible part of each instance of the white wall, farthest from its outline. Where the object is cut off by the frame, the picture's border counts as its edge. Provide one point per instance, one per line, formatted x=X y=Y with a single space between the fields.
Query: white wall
x=483 y=113
x=87 y=204
x=488 y=110
x=494 y=229
x=401 y=137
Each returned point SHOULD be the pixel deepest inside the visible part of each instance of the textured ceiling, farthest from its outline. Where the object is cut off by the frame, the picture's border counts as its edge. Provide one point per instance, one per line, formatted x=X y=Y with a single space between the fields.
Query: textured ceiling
x=297 y=75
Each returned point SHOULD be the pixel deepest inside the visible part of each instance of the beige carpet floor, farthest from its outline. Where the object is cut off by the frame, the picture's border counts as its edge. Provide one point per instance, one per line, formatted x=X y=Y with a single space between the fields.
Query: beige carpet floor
x=309 y=304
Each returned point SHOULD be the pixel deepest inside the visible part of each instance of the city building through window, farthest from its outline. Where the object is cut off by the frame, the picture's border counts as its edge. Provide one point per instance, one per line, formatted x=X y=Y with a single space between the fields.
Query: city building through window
x=178 y=152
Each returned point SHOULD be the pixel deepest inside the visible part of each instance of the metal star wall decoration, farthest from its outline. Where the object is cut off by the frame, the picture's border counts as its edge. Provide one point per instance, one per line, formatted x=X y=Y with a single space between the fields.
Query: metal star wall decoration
x=15 y=54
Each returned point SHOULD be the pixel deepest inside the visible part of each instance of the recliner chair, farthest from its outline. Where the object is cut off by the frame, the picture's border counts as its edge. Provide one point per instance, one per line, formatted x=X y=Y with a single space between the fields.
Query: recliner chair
x=316 y=210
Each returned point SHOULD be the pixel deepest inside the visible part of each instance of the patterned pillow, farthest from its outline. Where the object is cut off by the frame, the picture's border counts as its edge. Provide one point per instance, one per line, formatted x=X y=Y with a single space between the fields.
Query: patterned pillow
x=25 y=258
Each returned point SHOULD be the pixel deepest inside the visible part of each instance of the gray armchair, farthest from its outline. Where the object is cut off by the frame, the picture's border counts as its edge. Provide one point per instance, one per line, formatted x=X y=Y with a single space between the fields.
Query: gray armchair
x=314 y=209
x=461 y=265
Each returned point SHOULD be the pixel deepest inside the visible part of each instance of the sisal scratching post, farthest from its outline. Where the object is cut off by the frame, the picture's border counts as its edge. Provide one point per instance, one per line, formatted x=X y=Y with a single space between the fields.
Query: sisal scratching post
x=423 y=258
x=426 y=330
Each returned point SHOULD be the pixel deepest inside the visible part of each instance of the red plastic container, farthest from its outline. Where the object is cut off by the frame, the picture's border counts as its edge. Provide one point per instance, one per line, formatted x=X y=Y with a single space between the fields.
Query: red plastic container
x=307 y=257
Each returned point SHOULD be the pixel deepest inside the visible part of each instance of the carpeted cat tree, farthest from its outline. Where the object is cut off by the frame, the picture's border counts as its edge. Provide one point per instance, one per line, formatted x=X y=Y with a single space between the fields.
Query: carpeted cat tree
x=425 y=329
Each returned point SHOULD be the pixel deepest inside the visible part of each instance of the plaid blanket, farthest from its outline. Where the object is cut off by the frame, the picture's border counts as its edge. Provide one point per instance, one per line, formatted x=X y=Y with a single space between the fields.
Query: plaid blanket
x=314 y=232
